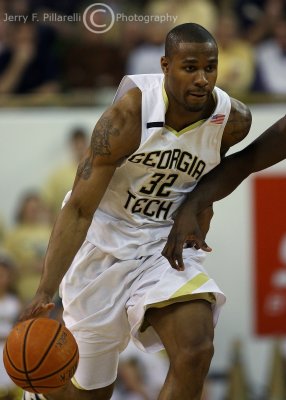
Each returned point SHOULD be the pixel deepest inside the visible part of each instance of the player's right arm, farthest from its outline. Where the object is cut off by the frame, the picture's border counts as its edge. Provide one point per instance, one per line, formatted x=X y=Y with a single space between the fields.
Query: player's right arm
x=116 y=135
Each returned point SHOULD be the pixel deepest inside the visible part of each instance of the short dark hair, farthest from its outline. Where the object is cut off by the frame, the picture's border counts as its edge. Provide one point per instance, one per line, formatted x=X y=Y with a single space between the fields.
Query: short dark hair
x=187 y=33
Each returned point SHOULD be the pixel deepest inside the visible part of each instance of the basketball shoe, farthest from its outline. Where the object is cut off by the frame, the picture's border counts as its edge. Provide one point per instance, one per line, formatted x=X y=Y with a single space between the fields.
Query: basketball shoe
x=32 y=396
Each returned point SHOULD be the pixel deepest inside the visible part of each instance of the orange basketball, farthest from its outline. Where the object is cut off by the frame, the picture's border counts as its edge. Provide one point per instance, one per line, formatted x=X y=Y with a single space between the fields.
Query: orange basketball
x=40 y=355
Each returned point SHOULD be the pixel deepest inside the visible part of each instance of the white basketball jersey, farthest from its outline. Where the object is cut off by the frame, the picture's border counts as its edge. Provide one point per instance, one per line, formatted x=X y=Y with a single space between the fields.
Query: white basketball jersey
x=135 y=214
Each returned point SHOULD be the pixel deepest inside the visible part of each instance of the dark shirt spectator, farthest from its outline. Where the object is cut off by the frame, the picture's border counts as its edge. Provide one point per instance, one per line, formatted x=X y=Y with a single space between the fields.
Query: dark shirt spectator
x=258 y=18
x=27 y=61
x=271 y=61
x=90 y=61
x=67 y=7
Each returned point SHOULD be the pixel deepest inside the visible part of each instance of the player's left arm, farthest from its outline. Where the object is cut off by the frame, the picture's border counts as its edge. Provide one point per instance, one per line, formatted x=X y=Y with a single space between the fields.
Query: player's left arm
x=187 y=225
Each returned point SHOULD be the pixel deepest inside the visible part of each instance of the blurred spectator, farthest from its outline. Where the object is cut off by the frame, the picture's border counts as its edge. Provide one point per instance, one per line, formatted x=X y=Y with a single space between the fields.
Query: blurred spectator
x=138 y=4
x=131 y=382
x=132 y=37
x=236 y=67
x=136 y=379
x=66 y=7
x=61 y=8
x=9 y=310
x=145 y=59
x=18 y=7
x=27 y=242
x=61 y=179
x=91 y=60
x=203 y=12
x=2 y=229
x=259 y=17
x=249 y=12
x=3 y=26
x=271 y=61
x=27 y=61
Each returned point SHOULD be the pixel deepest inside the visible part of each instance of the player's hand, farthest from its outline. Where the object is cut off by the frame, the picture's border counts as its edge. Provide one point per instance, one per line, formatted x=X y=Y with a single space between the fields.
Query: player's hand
x=40 y=306
x=188 y=229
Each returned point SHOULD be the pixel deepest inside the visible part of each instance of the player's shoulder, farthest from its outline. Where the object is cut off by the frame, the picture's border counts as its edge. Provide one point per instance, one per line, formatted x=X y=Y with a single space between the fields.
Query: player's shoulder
x=125 y=112
x=240 y=111
x=238 y=124
x=121 y=124
x=240 y=119
x=130 y=102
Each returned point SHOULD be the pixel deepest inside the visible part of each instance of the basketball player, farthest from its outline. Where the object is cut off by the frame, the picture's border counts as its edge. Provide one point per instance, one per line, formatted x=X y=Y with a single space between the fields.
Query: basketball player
x=147 y=152
x=268 y=149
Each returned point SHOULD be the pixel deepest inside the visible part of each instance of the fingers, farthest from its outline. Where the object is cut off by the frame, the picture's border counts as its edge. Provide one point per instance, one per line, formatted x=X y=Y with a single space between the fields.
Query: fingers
x=173 y=252
x=45 y=309
x=203 y=246
x=36 y=311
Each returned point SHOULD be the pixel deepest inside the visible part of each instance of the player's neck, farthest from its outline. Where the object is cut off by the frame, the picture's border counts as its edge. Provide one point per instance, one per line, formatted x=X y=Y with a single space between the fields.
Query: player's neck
x=178 y=118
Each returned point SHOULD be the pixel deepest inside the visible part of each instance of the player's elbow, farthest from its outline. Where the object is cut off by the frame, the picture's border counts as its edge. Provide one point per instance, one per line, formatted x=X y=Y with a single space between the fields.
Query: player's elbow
x=80 y=211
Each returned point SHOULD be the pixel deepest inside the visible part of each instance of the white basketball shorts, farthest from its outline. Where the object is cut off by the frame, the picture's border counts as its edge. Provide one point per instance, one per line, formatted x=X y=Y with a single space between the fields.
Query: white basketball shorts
x=105 y=300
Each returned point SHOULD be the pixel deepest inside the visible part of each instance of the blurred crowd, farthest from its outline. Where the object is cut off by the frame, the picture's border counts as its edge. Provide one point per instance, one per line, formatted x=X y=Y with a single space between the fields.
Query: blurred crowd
x=38 y=56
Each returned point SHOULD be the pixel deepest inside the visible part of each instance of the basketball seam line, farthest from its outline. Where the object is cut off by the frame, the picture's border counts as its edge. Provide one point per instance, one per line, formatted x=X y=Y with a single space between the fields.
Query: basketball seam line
x=53 y=373
x=24 y=356
x=47 y=351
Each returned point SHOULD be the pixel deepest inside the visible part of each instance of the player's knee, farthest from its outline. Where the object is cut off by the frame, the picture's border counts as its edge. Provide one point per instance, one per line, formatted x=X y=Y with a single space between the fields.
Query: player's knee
x=197 y=356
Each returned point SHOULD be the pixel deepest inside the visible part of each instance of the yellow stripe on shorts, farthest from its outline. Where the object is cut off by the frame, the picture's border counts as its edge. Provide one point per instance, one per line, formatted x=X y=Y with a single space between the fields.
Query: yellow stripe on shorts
x=76 y=384
x=192 y=285
x=184 y=293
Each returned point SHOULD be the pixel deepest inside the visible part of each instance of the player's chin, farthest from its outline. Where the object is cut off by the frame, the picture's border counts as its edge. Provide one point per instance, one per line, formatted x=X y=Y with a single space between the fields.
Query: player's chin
x=195 y=105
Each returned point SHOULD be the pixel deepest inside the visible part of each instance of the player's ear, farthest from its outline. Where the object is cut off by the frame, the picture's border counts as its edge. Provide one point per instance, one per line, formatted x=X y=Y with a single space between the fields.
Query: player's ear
x=165 y=64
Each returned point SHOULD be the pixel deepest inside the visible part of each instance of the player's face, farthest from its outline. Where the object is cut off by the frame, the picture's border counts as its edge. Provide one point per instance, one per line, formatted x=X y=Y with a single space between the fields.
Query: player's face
x=190 y=74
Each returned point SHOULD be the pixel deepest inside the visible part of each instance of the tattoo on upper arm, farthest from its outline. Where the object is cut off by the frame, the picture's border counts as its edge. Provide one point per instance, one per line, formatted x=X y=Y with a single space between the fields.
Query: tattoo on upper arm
x=100 y=138
x=100 y=145
x=84 y=169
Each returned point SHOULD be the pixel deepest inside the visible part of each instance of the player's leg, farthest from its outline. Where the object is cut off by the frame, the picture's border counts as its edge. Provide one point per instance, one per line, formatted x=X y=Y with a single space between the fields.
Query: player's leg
x=70 y=392
x=186 y=330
